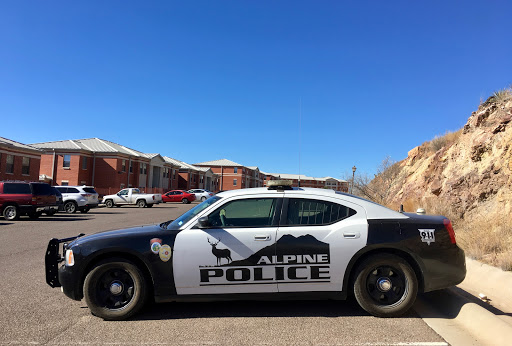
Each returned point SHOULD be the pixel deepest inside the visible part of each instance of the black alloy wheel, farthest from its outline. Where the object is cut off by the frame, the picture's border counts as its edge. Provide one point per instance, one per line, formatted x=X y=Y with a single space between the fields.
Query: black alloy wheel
x=385 y=285
x=115 y=289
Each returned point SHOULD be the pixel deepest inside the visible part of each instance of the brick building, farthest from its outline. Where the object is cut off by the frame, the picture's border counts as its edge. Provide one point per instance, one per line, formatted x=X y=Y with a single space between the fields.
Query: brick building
x=194 y=177
x=18 y=161
x=305 y=181
x=233 y=175
x=106 y=165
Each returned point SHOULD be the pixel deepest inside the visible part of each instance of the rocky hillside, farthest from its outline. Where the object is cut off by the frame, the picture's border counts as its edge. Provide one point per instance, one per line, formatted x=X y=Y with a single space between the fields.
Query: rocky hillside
x=467 y=176
x=469 y=171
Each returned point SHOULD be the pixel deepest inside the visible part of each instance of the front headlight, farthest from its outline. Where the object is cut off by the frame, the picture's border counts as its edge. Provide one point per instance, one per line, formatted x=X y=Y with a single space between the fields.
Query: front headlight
x=70 y=259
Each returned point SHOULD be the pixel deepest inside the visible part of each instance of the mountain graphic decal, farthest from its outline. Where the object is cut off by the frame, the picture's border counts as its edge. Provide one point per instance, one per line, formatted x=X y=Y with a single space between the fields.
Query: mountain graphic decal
x=286 y=245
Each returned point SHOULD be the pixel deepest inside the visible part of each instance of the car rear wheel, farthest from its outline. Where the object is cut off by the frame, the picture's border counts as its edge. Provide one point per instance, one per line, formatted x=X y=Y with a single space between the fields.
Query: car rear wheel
x=11 y=213
x=85 y=210
x=385 y=285
x=185 y=201
x=115 y=289
x=50 y=212
x=109 y=203
x=141 y=203
x=70 y=207
x=150 y=205
x=203 y=199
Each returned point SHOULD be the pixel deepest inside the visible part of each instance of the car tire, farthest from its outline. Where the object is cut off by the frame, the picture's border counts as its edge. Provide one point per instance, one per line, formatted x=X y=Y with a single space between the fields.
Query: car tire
x=50 y=212
x=85 y=210
x=385 y=285
x=150 y=205
x=185 y=201
x=11 y=213
x=70 y=207
x=141 y=203
x=203 y=199
x=35 y=215
x=115 y=289
x=109 y=203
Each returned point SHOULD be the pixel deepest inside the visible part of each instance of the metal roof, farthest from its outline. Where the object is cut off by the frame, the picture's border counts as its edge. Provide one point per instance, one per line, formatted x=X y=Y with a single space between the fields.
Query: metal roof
x=10 y=143
x=221 y=162
x=90 y=144
x=180 y=164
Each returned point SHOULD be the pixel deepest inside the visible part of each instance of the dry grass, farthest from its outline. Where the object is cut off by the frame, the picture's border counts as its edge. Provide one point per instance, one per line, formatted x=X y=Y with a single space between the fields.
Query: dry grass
x=485 y=237
x=443 y=141
x=499 y=97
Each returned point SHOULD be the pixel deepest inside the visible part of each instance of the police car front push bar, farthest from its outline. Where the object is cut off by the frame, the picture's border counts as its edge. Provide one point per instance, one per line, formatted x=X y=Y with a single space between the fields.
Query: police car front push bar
x=53 y=258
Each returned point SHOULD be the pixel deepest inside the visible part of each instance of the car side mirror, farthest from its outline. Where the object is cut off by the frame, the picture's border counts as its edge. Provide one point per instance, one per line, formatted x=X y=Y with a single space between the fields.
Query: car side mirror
x=203 y=222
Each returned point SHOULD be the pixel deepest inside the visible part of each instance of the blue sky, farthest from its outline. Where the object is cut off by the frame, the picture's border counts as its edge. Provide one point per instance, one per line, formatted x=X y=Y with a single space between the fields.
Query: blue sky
x=204 y=80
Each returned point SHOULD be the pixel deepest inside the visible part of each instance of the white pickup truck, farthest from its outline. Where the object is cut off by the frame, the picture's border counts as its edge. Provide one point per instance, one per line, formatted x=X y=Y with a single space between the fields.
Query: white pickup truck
x=132 y=196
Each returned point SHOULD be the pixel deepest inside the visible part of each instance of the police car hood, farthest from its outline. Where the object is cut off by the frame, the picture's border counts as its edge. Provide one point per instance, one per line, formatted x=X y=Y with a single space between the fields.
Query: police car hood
x=120 y=234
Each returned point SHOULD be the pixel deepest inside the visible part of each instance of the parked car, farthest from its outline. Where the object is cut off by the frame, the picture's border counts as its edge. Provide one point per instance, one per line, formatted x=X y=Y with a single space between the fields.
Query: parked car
x=263 y=243
x=81 y=198
x=201 y=195
x=19 y=198
x=178 y=196
x=132 y=196
x=51 y=210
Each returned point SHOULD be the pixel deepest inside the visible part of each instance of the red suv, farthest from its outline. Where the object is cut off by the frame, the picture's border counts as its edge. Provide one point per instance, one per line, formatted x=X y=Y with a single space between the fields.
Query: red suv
x=30 y=199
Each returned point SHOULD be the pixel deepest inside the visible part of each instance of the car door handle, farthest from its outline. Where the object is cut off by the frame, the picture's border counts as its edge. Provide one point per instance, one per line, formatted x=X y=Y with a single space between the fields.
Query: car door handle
x=351 y=235
x=262 y=237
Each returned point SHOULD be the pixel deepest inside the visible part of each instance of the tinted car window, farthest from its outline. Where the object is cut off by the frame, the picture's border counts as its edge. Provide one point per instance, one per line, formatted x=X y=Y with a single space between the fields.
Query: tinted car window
x=73 y=190
x=89 y=190
x=254 y=212
x=17 y=189
x=62 y=189
x=305 y=212
x=42 y=189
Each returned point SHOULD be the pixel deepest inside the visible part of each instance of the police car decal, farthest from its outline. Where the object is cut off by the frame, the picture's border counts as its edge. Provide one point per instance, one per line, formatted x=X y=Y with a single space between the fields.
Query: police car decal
x=290 y=260
x=427 y=235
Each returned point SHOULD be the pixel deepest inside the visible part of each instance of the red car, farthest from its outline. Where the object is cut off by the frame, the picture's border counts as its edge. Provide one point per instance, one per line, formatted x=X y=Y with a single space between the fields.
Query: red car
x=178 y=196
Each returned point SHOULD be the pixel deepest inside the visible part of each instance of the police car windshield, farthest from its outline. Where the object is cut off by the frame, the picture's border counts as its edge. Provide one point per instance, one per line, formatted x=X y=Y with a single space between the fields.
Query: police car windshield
x=183 y=219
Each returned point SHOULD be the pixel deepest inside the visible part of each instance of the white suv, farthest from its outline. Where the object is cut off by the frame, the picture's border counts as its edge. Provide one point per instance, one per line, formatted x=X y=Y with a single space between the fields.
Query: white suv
x=75 y=198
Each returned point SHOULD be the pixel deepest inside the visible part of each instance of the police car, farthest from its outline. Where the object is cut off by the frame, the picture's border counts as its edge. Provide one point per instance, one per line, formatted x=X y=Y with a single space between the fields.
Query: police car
x=263 y=243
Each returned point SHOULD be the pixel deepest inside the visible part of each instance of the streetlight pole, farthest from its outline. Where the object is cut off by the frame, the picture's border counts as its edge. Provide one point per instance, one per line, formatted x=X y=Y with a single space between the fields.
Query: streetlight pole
x=353 y=174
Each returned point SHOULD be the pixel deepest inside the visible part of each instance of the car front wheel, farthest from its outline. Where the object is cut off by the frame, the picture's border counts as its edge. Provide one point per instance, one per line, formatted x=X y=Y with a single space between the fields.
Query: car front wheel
x=385 y=285
x=11 y=213
x=70 y=207
x=115 y=289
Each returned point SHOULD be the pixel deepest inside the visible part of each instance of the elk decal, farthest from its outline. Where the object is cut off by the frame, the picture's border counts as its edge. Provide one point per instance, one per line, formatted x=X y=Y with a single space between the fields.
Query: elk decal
x=220 y=253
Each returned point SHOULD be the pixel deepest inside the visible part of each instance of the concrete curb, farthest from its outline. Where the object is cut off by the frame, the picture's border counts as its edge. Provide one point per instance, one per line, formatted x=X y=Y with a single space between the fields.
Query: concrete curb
x=485 y=327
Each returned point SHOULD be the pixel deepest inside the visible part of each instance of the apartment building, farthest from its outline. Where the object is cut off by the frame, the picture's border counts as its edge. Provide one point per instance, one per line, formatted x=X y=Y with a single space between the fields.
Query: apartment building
x=194 y=177
x=233 y=175
x=305 y=181
x=106 y=165
x=18 y=161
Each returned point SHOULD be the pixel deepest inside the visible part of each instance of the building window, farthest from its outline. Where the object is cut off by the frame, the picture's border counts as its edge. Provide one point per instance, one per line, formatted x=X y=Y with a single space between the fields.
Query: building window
x=145 y=169
x=9 y=164
x=123 y=166
x=131 y=166
x=234 y=182
x=67 y=161
x=0 y=162
x=173 y=174
x=84 y=162
x=122 y=186
x=64 y=183
x=235 y=170
x=201 y=180
x=25 y=166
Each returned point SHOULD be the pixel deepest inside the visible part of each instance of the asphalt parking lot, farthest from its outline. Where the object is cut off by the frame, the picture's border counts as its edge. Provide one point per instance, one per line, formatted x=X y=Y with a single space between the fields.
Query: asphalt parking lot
x=33 y=313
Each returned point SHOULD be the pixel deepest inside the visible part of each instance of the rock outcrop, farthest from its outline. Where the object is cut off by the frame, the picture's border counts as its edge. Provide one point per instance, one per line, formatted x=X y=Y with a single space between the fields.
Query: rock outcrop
x=465 y=172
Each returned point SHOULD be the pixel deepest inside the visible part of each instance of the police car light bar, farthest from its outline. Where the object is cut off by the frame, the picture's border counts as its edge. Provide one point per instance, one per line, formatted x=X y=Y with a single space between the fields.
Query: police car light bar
x=280 y=184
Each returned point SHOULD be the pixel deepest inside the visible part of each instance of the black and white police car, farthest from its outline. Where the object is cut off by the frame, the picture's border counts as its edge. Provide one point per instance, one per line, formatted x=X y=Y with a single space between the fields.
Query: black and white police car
x=263 y=243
